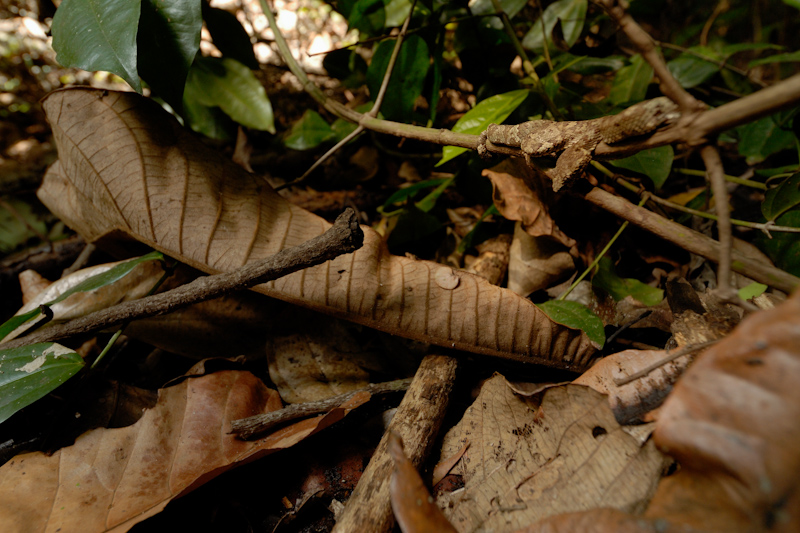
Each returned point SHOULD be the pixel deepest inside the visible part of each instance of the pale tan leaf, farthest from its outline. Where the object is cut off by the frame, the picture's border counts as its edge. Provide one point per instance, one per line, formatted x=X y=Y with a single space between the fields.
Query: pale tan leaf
x=536 y=263
x=127 y=166
x=111 y=479
x=527 y=463
x=31 y=283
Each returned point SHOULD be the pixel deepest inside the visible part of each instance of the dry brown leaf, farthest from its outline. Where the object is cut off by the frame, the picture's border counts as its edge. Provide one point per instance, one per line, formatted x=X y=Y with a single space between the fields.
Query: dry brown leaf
x=127 y=166
x=314 y=357
x=536 y=263
x=519 y=194
x=111 y=479
x=412 y=504
x=732 y=424
x=634 y=399
x=527 y=463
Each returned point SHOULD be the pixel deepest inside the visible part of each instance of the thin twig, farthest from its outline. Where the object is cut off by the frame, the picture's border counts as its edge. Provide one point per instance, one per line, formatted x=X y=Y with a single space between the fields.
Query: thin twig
x=345 y=236
x=247 y=428
x=667 y=359
x=716 y=175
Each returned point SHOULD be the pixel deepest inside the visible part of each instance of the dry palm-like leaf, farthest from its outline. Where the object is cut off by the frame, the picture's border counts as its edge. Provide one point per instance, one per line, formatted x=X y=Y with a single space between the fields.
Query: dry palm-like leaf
x=126 y=166
x=732 y=424
x=111 y=479
x=526 y=463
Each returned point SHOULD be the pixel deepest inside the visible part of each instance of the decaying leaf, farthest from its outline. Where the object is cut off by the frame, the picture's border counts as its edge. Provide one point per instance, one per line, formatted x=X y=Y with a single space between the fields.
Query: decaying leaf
x=536 y=263
x=412 y=504
x=314 y=357
x=527 y=462
x=111 y=479
x=732 y=425
x=127 y=166
x=520 y=194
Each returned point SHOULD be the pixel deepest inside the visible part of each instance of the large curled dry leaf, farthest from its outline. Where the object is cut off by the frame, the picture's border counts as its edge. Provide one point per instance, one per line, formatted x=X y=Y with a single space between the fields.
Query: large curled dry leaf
x=111 y=479
x=525 y=463
x=732 y=424
x=125 y=165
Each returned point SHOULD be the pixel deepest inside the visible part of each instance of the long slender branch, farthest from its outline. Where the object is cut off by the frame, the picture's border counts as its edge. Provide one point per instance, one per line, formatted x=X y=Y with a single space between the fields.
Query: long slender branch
x=716 y=175
x=345 y=236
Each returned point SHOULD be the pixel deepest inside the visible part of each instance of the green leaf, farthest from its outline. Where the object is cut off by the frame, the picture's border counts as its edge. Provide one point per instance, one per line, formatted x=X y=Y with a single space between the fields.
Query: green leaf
x=168 y=40
x=486 y=7
x=655 y=163
x=18 y=224
x=784 y=248
x=408 y=77
x=108 y=277
x=310 y=131
x=396 y=13
x=404 y=194
x=576 y=316
x=690 y=70
x=789 y=57
x=751 y=291
x=730 y=49
x=782 y=198
x=31 y=372
x=429 y=202
x=493 y=110
x=368 y=16
x=571 y=13
x=208 y=120
x=606 y=278
x=764 y=137
x=98 y=35
x=231 y=86
x=794 y=3
x=630 y=83
x=229 y=36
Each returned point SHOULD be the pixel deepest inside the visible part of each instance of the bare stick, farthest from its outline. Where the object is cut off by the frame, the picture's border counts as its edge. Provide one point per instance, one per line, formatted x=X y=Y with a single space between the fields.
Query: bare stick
x=417 y=422
x=691 y=240
x=619 y=382
x=345 y=236
x=716 y=175
x=247 y=428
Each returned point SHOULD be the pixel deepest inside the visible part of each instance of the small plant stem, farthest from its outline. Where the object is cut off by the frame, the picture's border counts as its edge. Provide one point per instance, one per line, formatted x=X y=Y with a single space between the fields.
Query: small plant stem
x=107 y=349
x=597 y=259
x=732 y=179
x=619 y=382
x=527 y=66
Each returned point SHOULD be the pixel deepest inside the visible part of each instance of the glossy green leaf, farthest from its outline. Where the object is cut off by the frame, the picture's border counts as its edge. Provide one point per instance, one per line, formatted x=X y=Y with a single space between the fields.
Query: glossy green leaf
x=784 y=248
x=231 y=86
x=208 y=120
x=19 y=226
x=576 y=316
x=493 y=110
x=619 y=288
x=730 y=49
x=342 y=128
x=310 y=131
x=98 y=35
x=31 y=372
x=168 y=40
x=751 y=291
x=229 y=36
x=691 y=70
x=368 y=16
x=108 y=277
x=782 y=198
x=571 y=13
x=764 y=137
x=789 y=57
x=408 y=77
x=630 y=83
x=396 y=12
x=655 y=163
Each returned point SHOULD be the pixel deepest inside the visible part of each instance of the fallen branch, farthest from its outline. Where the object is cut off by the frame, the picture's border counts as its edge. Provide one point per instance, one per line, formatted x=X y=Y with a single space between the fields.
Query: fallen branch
x=246 y=428
x=345 y=236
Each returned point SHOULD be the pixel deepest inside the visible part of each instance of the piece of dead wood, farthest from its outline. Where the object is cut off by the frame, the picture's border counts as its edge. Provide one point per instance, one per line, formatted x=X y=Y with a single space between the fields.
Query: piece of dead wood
x=253 y=426
x=417 y=422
